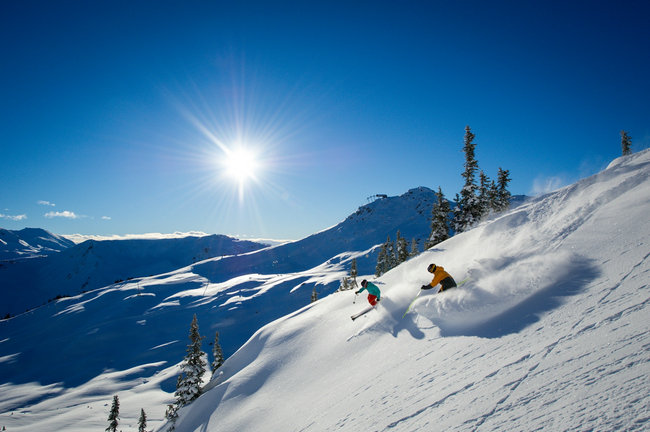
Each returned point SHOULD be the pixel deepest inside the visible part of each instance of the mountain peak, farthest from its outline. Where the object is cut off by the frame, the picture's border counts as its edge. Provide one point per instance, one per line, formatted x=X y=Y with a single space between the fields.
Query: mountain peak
x=30 y=242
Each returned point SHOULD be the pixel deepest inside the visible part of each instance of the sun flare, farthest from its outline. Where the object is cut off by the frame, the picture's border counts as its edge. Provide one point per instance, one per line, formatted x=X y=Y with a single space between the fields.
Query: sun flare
x=241 y=164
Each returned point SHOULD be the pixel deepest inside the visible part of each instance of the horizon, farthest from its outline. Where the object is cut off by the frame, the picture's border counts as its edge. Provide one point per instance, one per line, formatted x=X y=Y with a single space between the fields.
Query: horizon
x=277 y=121
x=80 y=238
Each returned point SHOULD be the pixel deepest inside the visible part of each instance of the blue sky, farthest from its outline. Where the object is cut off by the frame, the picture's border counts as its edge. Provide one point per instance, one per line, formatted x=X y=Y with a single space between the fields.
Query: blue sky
x=117 y=117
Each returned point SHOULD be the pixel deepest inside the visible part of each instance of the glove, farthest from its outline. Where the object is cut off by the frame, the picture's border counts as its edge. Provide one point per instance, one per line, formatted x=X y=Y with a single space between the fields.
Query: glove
x=356 y=292
x=424 y=287
x=378 y=299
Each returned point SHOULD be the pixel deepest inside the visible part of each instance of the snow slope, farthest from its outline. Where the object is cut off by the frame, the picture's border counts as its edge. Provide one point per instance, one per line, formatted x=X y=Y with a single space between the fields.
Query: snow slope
x=29 y=243
x=60 y=364
x=550 y=332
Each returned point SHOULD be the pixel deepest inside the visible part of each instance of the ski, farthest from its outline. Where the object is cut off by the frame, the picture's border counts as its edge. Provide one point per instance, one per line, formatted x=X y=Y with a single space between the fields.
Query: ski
x=363 y=312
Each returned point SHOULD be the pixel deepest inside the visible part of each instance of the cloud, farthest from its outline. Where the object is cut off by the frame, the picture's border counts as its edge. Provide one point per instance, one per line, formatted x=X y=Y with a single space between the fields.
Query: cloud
x=106 y=218
x=64 y=214
x=46 y=203
x=14 y=217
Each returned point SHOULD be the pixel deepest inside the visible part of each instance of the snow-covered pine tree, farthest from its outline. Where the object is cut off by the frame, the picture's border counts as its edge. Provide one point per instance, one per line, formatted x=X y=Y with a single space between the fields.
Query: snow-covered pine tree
x=353 y=271
x=113 y=415
x=485 y=194
x=402 y=249
x=468 y=210
x=381 y=261
x=142 y=421
x=494 y=197
x=217 y=354
x=439 y=220
x=344 y=284
x=503 y=194
x=188 y=388
x=626 y=143
x=414 y=248
x=314 y=294
x=391 y=257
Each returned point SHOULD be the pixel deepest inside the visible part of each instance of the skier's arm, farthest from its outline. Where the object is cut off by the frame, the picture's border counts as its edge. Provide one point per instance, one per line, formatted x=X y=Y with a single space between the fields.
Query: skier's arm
x=436 y=280
x=430 y=285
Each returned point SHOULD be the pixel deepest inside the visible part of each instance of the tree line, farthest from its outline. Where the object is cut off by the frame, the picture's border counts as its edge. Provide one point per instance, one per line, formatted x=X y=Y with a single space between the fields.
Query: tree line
x=475 y=202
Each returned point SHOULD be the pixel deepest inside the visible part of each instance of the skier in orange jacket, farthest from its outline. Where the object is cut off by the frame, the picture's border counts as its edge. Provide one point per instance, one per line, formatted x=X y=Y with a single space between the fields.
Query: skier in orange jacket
x=440 y=276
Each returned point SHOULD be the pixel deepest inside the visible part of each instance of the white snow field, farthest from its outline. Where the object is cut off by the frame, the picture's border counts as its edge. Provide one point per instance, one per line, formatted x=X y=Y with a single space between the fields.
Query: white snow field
x=549 y=332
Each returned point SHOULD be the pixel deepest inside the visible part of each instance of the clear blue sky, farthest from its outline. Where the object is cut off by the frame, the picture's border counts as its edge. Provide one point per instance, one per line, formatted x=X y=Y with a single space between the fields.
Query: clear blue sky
x=116 y=116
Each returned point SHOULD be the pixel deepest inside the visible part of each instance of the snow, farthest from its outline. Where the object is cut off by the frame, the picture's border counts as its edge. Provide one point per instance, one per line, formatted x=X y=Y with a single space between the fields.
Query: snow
x=550 y=331
x=30 y=243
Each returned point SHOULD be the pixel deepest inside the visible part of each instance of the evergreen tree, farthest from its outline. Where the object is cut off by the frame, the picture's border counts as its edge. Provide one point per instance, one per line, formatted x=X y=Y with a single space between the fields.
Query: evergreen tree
x=402 y=253
x=494 y=197
x=485 y=195
x=142 y=421
x=391 y=257
x=114 y=415
x=468 y=210
x=455 y=215
x=626 y=143
x=217 y=354
x=381 y=261
x=439 y=220
x=188 y=388
x=414 y=247
x=344 y=284
x=314 y=294
x=503 y=194
x=353 y=271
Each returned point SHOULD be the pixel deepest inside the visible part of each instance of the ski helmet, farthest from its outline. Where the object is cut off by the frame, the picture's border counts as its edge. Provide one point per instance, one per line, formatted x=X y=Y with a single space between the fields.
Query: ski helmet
x=364 y=283
x=432 y=267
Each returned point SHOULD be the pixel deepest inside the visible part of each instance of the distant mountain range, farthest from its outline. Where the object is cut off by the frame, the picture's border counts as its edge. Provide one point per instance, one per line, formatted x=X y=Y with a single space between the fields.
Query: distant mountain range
x=65 y=269
x=29 y=243
x=59 y=268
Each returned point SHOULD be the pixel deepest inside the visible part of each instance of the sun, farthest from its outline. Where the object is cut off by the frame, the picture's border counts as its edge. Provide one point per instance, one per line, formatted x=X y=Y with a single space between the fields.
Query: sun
x=241 y=164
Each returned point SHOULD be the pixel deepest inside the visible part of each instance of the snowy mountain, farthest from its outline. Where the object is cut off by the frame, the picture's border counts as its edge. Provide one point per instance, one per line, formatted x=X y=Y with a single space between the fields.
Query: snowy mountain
x=149 y=316
x=25 y=284
x=29 y=243
x=549 y=331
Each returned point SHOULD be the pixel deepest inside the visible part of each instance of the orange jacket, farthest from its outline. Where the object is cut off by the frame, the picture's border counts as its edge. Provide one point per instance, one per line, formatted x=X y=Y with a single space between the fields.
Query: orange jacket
x=439 y=274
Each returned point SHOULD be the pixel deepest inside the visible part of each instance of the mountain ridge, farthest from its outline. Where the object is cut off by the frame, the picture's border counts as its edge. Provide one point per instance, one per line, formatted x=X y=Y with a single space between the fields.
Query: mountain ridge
x=29 y=243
